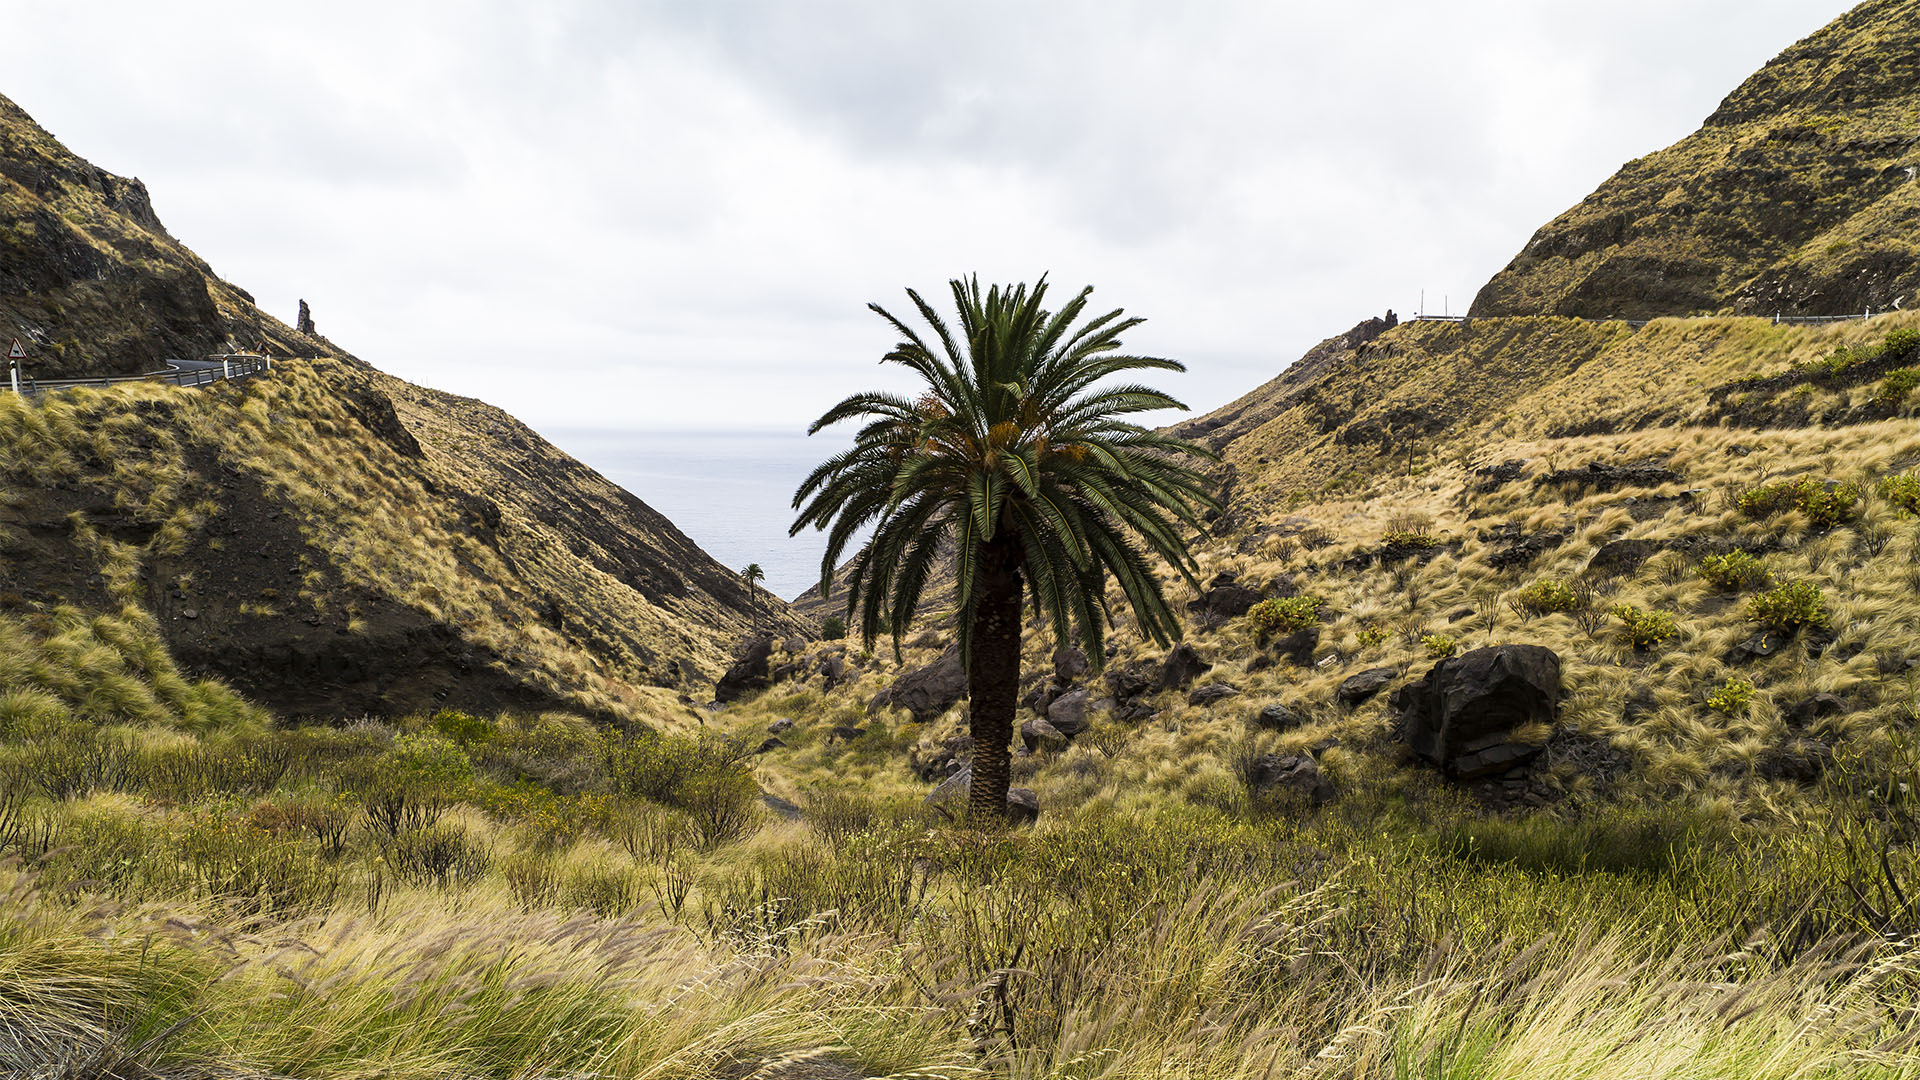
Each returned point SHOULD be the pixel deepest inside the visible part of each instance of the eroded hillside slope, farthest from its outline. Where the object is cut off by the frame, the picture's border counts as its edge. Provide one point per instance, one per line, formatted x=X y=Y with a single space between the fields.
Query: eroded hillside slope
x=328 y=539
x=1797 y=196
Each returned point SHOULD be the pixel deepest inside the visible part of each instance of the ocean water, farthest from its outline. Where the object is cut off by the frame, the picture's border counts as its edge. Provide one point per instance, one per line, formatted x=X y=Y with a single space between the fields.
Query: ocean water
x=730 y=491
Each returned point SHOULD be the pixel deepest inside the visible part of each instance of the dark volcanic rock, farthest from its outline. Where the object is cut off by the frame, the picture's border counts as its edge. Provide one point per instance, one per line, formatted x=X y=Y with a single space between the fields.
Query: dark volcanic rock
x=1070 y=665
x=1601 y=476
x=1623 y=556
x=1023 y=806
x=1295 y=776
x=1130 y=681
x=1068 y=713
x=1277 y=717
x=1182 y=666
x=1226 y=598
x=1358 y=688
x=1039 y=735
x=1462 y=714
x=927 y=691
x=1297 y=648
x=1802 y=761
x=1818 y=707
x=749 y=673
x=1210 y=693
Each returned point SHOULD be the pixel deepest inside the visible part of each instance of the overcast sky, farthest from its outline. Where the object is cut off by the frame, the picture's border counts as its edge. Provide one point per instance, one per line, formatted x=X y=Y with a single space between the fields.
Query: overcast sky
x=606 y=214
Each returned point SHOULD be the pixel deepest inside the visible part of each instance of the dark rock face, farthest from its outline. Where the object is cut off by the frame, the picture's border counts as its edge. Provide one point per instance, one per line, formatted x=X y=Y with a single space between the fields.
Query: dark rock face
x=1070 y=665
x=1493 y=477
x=1294 y=776
x=1211 y=692
x=1277 y=717
x=1225 y=598
x=1182 y=666
x=1297 y=648
x=1358 y=688
x=1600 y=476
x=1623 y=556
x=1130 y=683
x=1068 y=713
x=1517 y=548
x=928 y=691
x=304 y=321
x=1818 y=707
x=749 y=673
x=1039 y=735
x=1462 y=714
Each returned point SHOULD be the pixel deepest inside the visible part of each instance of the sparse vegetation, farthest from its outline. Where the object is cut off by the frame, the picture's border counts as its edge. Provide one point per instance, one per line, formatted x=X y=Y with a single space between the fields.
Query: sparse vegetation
x=1439 y=646
x=1548 y=596
x=1283 y=615
x=1731 y=698
x=1825 y=504
x=1643 y=629
x=1790 y=606
x=1733 y=571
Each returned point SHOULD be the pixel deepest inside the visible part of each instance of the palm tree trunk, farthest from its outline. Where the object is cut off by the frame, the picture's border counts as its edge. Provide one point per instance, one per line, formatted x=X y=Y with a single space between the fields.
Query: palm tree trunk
x=993 y=677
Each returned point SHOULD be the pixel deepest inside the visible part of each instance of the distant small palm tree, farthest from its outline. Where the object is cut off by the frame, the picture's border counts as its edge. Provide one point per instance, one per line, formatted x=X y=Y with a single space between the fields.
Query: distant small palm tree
x=1015 y=463
x=753 y=576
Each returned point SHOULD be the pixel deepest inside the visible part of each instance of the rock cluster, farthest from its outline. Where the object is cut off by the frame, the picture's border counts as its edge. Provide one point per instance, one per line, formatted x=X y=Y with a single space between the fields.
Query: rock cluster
x=1462 y=715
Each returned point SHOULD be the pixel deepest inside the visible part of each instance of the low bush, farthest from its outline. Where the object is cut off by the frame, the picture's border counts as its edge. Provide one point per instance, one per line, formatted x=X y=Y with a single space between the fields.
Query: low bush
x=1403 y=538
x=1283 y=615
x=708 y=778
x=833 y=628
x=1789 y=607
x=1825 y=504
x=1439 y=646
x=1901 y=344
x=1643 y=629
x=1372 y=635
x=1896 y=386
x=1731 y=698
x=1902 y=490
x=1733 y=571
x=1548 y=596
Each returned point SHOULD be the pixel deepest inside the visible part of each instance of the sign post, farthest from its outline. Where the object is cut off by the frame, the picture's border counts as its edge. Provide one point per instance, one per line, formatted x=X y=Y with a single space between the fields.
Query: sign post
x=14 y=356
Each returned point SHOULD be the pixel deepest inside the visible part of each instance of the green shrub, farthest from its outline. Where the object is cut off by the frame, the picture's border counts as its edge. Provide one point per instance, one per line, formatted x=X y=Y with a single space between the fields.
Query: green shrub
x=463 y=728
x=1372 y=635
x=1405 y=538
x=1901 y=343
x=1284 y=615
x=1902 y=490
x=1643 y=629
x=1547 y=596
x=707 y=777
x=1896 y=386
x=1837 y=362
x=1439 y=646
x=1825 y=504
x=1789 y=607
x=1732 y=698
x=1733 y=571
x=833 y=628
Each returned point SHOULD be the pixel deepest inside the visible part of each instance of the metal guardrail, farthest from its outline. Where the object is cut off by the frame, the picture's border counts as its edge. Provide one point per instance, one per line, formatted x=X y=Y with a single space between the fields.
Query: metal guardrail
x=1777 y=319
x=219 y=367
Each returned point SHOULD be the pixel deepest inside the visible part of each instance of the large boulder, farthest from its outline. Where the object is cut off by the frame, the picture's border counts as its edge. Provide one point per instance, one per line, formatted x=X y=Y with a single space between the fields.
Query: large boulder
x=1288 y=776
x=1277 y=717
x=1068 y=713
x=1359 y=688
x=1211 y=692
x=1462 y=714
x=749 y=673
x=928 y=691
x=1181 y=667
x=1225 y=598
x=1039 y=735
x=1070 y=665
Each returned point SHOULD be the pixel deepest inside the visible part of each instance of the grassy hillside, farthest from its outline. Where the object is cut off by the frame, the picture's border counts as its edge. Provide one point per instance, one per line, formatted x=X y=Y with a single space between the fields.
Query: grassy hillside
x=1797 y=196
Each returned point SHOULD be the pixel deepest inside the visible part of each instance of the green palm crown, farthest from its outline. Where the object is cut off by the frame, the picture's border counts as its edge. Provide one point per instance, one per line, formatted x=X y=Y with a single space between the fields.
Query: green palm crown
x=1014 y=444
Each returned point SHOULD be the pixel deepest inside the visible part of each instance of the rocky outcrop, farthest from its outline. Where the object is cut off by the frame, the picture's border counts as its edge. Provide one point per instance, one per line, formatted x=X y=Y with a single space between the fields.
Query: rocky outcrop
x=927 y=691
x=1462 y=715
x=1357 y=689
x=1292 y=777
x=750 y=672
x=1181 y=667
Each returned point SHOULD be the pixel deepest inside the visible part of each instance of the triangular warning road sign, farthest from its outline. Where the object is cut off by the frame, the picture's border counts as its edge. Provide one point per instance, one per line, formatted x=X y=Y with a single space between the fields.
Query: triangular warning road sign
x=18 y=352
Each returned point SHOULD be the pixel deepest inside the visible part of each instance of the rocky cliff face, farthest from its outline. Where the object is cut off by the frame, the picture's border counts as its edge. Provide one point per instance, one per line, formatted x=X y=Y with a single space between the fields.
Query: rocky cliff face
x=91 y=281
x=330 y=540
x=1800 y=195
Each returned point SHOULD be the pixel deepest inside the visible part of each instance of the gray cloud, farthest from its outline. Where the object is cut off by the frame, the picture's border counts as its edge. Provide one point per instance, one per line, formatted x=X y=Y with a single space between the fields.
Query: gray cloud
x=686 y=205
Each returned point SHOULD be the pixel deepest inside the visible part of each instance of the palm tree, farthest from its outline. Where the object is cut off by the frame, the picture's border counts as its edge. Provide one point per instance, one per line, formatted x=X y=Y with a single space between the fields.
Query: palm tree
x=753 y=576
x=1014 y=463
